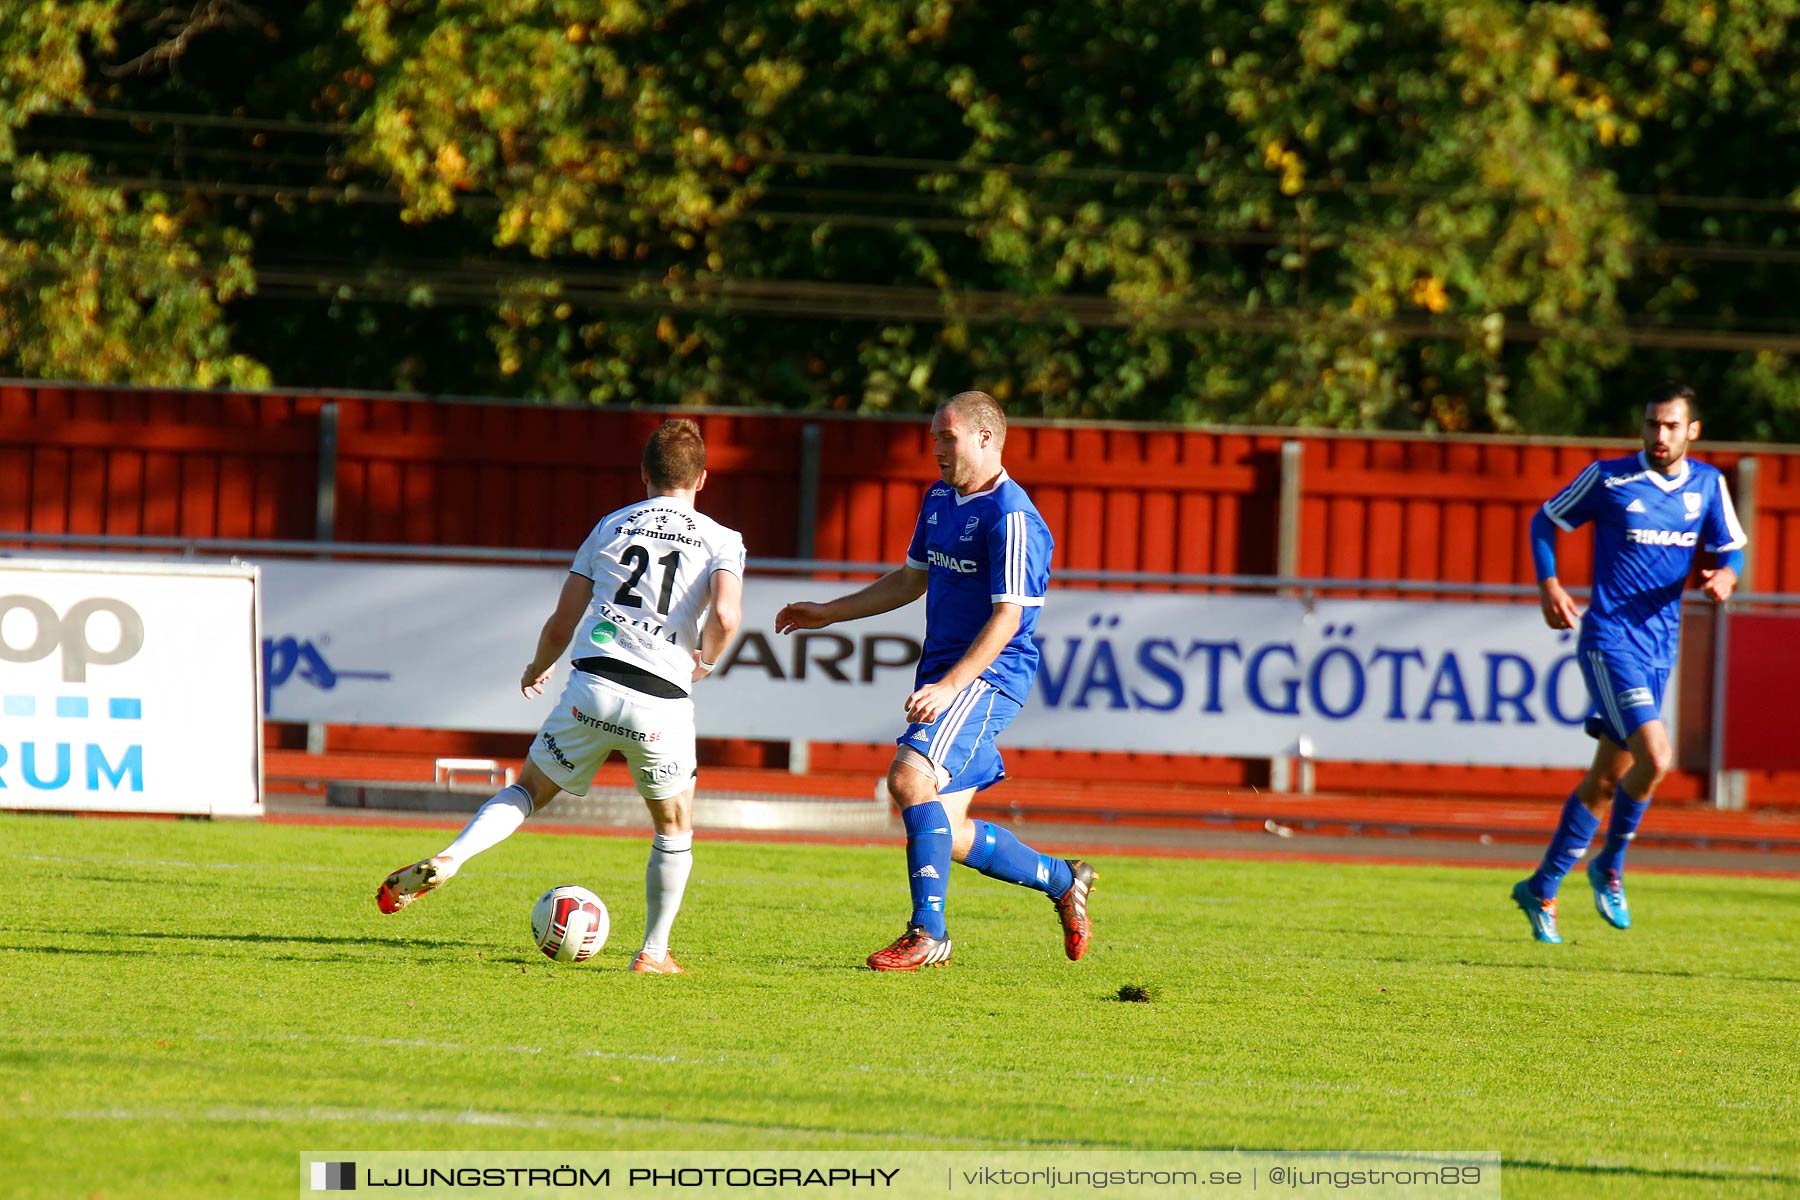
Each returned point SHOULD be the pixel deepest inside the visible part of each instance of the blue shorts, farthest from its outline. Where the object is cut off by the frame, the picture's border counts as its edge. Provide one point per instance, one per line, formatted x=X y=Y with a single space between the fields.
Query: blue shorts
x=1627 y=692
x=960 y=743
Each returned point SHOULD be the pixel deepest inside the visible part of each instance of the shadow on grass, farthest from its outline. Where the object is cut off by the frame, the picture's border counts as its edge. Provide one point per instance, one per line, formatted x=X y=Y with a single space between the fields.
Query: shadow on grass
x=98 y=952
x=121 y=946
x=1587 y=967
x=137 y=881
x=1672 y=1174
x=1368 y=932
x=1572 y=951
x=121 y=952
x=313 y=939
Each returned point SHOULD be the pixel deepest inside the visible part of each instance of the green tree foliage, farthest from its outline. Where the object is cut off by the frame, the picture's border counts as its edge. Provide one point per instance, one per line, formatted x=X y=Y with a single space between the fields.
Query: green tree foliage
x=96 y=285
x=1442 y=214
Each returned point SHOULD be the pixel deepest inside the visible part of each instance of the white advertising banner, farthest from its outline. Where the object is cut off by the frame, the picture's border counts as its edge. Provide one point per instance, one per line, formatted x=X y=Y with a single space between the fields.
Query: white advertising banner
x=129 y=687
x=429 y=646
x=1245 y=676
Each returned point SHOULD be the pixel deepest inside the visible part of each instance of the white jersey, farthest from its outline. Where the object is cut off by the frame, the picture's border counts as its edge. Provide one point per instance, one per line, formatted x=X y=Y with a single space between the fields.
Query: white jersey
x=652 y=564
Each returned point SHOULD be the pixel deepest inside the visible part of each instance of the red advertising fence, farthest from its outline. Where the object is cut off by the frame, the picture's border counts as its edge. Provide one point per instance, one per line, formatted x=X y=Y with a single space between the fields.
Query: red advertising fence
x=221 y=465
x=1763 y=665
x=388 y=469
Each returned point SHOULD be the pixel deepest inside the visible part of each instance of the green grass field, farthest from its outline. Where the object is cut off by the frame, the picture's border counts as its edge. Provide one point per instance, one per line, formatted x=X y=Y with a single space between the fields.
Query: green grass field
x=185 y=1007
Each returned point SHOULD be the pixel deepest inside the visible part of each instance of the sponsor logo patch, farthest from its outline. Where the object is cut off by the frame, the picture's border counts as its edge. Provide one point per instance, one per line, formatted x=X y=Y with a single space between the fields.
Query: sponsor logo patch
x=605 y=726
x=1636 y=698
x=562 y=760
x=1662 y=537
x=661 y=773
x=962 y=566
x=69 y=633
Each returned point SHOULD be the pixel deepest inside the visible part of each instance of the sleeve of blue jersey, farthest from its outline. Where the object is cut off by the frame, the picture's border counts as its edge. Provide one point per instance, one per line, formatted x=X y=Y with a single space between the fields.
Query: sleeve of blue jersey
x=1018 y=559
x=1543 y=545
x=915 y=549
x=1570 y=507
x=1724 y=533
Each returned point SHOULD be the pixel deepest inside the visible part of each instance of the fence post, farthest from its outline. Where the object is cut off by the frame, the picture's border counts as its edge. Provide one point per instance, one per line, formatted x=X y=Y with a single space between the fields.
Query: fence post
x=1749 y=472
x=1287 y=546
x=324 y=521
x=1282 y=773
x=806 y=534
x=325 y=506
x=806 y=537
x=1727 y=788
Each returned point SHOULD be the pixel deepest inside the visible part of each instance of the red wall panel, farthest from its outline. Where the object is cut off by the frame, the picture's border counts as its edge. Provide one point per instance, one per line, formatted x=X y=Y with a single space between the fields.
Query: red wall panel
x=1764 y=656
x=199 y=464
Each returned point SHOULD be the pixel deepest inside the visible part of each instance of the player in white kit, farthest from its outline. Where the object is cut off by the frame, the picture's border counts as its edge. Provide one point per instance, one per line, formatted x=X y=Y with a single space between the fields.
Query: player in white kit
x=653 y=598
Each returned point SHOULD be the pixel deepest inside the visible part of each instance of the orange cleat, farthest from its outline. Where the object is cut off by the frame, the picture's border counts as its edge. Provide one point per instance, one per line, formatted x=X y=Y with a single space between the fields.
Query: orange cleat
x=911 y=950
x=409 y=883
x=1071 y=907
x=643 y=964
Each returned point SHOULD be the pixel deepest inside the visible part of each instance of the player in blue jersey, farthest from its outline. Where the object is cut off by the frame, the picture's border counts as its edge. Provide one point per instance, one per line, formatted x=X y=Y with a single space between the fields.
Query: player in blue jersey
x=980 y=555
x=1650 y=512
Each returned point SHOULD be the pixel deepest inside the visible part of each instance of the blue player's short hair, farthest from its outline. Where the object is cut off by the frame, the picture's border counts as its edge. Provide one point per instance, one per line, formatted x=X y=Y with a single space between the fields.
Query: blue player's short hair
x=980 y=409
x=1670 y=390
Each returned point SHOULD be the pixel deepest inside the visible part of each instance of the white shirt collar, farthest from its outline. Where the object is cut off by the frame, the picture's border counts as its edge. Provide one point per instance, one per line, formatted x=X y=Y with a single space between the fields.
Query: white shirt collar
x=962 y=499
x=1667 y=483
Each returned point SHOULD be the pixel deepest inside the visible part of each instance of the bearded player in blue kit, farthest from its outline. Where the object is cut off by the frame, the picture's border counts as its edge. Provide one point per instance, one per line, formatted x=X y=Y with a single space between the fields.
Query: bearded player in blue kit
x=980 y=555
x=1650 y=512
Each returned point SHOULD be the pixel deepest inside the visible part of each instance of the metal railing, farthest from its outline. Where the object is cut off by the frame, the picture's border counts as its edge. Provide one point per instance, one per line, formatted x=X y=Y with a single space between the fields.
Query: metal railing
x=188 y=548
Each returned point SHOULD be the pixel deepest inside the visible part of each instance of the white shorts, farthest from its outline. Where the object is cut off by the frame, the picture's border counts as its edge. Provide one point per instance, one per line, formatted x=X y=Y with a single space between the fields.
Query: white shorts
x=597 y=716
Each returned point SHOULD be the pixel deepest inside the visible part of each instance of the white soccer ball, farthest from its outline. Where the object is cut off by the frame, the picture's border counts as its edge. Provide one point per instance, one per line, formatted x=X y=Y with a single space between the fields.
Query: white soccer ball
x=570 y=923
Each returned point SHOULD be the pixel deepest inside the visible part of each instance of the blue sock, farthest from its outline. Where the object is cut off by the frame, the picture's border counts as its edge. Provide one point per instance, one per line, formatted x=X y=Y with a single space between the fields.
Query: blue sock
x=1573 y=833
x=1621 y=827
x=999 y=855
x=927 y=862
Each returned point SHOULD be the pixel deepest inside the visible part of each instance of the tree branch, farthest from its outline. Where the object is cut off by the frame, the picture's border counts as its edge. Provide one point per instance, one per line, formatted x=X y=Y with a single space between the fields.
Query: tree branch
x=177 y=29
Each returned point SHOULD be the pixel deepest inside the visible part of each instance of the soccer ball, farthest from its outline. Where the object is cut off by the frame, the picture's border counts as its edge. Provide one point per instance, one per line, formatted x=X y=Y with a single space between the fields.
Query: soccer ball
x=569 y=923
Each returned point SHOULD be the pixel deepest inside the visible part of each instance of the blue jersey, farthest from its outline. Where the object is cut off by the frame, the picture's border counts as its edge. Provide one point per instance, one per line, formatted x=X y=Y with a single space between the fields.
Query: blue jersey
x=977 y=551
x=1646 y=528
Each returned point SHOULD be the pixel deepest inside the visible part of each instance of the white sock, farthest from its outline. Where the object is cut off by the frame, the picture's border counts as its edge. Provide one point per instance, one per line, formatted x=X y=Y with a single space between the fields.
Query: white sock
x=671 y=860
x=493 y=824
